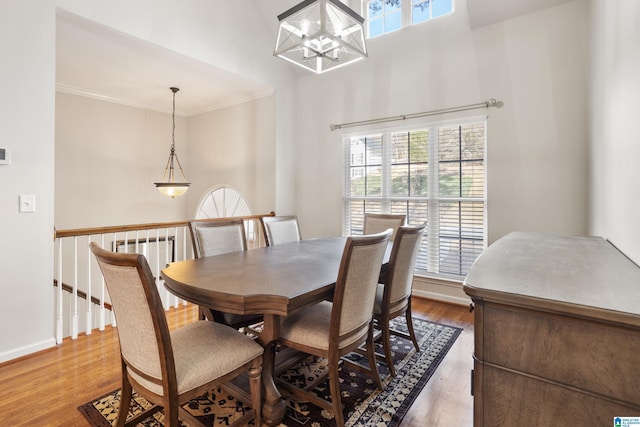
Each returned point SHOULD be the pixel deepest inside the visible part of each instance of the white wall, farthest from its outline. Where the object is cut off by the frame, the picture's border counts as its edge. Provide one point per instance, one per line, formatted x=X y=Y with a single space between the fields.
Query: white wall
x=536 y=64
x=107 y=158
x=26 y=130
x=234 y=146
x=615 y=134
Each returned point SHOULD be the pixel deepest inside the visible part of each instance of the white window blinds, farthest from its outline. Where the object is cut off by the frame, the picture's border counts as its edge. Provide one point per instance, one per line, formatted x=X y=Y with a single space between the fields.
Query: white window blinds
x=432 y=173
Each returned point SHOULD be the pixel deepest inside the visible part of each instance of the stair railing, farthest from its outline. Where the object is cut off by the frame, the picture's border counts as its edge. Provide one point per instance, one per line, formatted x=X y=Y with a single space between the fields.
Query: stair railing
x=80 y=286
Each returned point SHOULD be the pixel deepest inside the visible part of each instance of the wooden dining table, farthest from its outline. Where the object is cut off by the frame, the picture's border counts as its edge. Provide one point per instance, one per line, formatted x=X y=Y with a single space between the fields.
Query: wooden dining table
x=273 y=281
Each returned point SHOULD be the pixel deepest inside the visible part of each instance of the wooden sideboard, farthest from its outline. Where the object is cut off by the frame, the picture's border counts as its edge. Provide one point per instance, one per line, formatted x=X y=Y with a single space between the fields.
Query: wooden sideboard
x=557 y=332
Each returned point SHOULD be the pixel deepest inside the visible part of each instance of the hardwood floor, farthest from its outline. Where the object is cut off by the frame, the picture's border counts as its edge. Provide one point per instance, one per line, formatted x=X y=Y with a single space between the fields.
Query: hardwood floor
x=446 y=399
x=45 y=389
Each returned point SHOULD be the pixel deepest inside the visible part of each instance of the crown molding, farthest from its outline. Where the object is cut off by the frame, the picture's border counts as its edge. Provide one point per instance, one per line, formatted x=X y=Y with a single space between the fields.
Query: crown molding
x=225 y=103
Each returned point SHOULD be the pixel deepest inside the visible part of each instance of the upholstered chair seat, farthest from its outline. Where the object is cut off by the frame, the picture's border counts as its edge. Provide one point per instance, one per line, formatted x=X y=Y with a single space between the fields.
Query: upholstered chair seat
x=169 y=368
x=331 y=329
x=196 y=358
x=309 y=327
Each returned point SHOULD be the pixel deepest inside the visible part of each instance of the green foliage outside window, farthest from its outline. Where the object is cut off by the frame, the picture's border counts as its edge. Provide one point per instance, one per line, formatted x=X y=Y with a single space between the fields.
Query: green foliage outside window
x=450 y=186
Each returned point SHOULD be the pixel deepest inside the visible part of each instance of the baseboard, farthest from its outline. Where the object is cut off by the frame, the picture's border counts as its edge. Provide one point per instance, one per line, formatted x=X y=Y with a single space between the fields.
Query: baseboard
x=27 y=350
x=440 y=290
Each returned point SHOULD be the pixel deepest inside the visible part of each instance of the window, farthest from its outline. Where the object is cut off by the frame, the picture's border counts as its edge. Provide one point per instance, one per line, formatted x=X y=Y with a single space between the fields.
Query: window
x=225 y=202
x=423 y=10
x=433 y=173
x=222 y=202
x=385 y=16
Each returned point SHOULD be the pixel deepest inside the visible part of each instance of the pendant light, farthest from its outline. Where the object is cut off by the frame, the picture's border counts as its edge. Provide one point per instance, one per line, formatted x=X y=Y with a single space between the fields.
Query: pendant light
x=168 y=186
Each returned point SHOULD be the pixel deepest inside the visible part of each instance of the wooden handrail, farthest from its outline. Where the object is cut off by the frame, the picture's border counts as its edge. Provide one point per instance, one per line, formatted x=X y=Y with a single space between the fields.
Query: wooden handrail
x=60 y=236
x=135 y=227
x=81 y=294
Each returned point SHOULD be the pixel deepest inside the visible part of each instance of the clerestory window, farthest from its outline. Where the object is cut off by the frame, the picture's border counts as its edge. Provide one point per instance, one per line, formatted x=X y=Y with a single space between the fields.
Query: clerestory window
x=385 y=16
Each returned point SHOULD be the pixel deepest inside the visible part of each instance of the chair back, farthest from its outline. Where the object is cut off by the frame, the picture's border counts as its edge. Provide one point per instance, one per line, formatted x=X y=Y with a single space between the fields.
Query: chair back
x=217 y=237
x=402 y=263
x=377 y=223
x=145 y=343
x=355 y=289
x=280 y=229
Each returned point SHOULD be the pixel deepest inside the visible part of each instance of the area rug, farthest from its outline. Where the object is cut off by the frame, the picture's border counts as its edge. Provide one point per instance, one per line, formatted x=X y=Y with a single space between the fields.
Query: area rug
x=363 y=403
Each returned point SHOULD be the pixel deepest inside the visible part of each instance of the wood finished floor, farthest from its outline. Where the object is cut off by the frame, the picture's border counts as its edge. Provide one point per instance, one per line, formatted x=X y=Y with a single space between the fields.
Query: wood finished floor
x=45 y=389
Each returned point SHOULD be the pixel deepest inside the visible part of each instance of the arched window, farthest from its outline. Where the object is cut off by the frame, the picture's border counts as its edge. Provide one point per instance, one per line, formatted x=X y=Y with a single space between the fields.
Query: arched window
x=225 y=202
x=222 y=202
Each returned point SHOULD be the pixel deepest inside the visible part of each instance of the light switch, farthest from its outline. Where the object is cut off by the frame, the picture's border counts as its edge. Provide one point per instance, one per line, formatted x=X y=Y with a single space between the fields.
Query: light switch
x=27 y=203
x=5 y=159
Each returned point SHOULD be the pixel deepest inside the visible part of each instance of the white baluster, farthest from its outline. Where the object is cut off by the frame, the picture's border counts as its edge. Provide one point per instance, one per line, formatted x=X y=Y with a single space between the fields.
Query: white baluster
x=184 y=243
x=168 y=297
x=115 y=248
x=156 y=273
x=89 y=325
x=59 y=315
x=103 y=311
x=74 y=316
x=184 y=251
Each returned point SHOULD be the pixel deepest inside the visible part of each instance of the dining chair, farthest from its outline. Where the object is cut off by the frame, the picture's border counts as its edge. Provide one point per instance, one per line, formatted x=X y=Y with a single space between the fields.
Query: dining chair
x=375 y=223
x=393 y=296
x=218 y=237
x=333 y=329
x=169 y=368
x=280 y=229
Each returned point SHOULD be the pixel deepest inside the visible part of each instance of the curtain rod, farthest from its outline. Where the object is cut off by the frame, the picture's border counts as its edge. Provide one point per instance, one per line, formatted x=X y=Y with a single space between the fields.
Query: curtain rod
x=490 y=103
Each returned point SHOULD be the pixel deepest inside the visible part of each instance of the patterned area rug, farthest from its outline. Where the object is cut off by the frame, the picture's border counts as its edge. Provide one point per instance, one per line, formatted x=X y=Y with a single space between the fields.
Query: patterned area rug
x=363 y=403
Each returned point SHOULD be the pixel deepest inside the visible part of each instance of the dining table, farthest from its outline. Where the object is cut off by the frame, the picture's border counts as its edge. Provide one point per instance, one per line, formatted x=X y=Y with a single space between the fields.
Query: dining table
x=274 y=281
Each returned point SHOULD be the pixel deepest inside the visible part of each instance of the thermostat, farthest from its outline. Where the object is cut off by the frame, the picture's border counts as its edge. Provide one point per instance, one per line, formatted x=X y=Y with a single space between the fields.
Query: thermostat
x=4 y=156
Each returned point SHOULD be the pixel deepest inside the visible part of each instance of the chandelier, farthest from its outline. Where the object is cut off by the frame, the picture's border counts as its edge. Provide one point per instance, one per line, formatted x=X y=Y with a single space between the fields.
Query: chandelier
x=168 y=186
x=320 y=35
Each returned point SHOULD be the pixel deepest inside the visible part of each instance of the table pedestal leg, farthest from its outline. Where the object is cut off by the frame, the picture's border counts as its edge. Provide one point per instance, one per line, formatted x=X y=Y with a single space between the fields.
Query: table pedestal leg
x=273 y=406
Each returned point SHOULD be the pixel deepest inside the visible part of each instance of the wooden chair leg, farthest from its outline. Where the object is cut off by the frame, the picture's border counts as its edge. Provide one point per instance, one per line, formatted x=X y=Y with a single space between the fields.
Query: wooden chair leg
x=171 y=417
x=412 y=333
x=125 y=399
x=255 y=384
x=334 y=385
x=371 y=355
x=386 y=346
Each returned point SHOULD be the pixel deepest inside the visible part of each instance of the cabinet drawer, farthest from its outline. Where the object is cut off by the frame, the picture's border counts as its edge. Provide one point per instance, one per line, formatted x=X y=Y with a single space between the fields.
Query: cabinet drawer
x=509 y=399
x=588 y=355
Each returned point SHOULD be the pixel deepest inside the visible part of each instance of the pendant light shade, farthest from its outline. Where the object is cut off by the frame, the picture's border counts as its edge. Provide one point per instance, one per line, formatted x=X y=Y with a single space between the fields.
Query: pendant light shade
x=169 y=186
x=321 y=35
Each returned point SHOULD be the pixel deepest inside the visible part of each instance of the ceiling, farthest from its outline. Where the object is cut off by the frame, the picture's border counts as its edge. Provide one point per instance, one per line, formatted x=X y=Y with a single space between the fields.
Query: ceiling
x=100 y=62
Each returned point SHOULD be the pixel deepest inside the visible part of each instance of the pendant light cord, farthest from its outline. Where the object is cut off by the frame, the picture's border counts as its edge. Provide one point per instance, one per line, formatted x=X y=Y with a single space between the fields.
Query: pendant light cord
x=173 y=116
